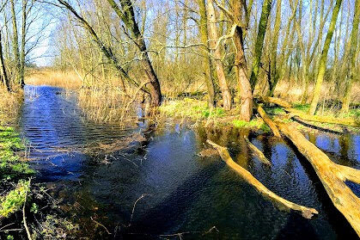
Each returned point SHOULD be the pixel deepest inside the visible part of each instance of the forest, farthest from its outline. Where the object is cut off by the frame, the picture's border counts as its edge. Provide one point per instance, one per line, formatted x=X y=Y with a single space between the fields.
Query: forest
x=179 y=119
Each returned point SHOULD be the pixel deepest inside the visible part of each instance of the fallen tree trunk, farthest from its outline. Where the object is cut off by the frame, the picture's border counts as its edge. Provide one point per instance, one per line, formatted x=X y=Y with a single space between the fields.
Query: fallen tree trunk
x=333 y=176
x=324 y=119
x=313 y=126
x=278 y=101
x=249 y=178
x=257 y=152
x=268 y=121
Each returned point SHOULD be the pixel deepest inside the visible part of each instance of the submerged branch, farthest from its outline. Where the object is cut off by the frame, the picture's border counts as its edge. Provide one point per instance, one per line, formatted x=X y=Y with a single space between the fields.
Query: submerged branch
x=249 y=178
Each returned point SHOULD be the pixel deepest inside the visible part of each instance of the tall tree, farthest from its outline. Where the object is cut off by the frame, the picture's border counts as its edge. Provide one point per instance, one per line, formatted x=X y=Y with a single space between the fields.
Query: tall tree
x=24 y=9
x=323 y=58
x=154 y=89
x=265 y=13
x=207 y=61
x=215 y=50
x=3 y=74
x=352 y=58
x=274 y=70
x=245 y=91
x=15 y=43
x=127 y=14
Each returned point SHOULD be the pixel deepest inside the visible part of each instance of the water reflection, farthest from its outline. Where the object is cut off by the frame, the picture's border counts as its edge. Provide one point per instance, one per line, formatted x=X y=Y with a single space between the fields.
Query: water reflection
x=182 y=192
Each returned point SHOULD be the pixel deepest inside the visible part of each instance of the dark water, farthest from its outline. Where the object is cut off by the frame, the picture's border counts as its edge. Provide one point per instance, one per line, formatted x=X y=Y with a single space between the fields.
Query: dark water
x=177 y=194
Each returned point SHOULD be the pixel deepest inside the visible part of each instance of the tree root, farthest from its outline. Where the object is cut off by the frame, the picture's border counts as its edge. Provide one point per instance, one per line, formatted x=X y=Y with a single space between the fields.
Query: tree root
x=282 y=203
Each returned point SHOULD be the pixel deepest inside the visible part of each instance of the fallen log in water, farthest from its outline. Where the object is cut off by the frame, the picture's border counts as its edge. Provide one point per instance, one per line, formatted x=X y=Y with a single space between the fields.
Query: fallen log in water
x=257 y=152
x=297 y=113
x=313 y=126
x=268 y=121
x=249 y=178
x=333 y=176
x=323 y=119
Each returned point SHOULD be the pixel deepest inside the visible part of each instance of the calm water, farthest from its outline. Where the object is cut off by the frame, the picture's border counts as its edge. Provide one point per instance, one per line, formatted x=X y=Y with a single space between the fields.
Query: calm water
x=176 y=193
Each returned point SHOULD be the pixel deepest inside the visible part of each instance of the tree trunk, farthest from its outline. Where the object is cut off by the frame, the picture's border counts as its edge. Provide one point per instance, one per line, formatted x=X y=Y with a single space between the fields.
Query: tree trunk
x=250 y=179
x=323 y=59
x=15 y=43
x=23 y=44
x=274 y=71
x=213 y=38
x=266 y=10
x=207 y=62
x=331 y=175
x=245 y=91
x=127 y=15
x=352 y=58
x=4 y=76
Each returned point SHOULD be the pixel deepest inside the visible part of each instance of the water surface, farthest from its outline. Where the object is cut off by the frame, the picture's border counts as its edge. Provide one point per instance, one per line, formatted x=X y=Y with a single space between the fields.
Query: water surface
x=176 y=193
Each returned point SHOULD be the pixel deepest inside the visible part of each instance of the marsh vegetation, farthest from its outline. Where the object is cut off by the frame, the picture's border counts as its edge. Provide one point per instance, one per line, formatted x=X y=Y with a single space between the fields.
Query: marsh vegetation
x=120 y=133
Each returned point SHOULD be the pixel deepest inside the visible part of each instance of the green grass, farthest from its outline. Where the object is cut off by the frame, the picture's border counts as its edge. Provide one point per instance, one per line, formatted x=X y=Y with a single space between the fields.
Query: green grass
x=190 y=108
x=15 y=199
x=302 y=107
x=11 y=165
x=253 y=124
x=12 y=170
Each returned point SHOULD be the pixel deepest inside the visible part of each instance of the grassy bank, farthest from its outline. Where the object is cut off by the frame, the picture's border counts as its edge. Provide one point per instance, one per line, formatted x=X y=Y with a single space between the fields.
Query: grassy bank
x=14 y=170
x=197 y=111
x=20 y=198
x=14 y=173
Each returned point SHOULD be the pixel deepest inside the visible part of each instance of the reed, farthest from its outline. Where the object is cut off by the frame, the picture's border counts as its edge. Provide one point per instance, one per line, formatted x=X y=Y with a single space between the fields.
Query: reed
x=52 y=77
x=10 y=104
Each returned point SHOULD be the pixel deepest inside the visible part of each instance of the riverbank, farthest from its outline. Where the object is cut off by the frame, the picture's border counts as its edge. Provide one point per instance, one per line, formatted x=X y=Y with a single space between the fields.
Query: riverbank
x=197 y=111
x=26 y=209
x=165 y=182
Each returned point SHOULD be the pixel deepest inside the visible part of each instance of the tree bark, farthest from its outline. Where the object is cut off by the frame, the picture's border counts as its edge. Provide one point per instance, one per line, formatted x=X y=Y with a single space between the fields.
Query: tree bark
x=331 y=175
x=127 y=15
x=352 y=58
x=266 y=10
x=207 y=62
x=274 y=71
x=4 y=76
x=213 y=38
x=250 y=179
x=323 y=59
x=23 y=43
x=15 y=43
x=245 y=91
x=257 y=152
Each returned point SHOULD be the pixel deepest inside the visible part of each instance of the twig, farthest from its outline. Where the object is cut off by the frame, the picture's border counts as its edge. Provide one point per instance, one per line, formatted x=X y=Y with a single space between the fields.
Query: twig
x=133 y=210
x=107 y=231
x=24 y=217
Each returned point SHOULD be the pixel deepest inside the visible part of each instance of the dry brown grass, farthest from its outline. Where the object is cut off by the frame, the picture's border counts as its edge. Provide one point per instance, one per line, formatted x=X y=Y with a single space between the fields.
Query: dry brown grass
x=50 y=77
x=102 y=105
x=330 y=91
x=10 y=104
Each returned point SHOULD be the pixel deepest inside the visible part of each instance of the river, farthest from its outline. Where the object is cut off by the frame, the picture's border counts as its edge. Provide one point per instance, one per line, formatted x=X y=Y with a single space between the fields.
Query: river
x=162 y=189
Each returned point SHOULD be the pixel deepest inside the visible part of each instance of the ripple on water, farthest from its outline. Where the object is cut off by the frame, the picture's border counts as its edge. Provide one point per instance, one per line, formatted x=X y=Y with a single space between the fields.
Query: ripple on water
x=182 y=192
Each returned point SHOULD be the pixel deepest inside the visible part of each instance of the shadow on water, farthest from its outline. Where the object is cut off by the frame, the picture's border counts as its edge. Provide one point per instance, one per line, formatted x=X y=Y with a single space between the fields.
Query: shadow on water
x=161 y=189
x=335 y=218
